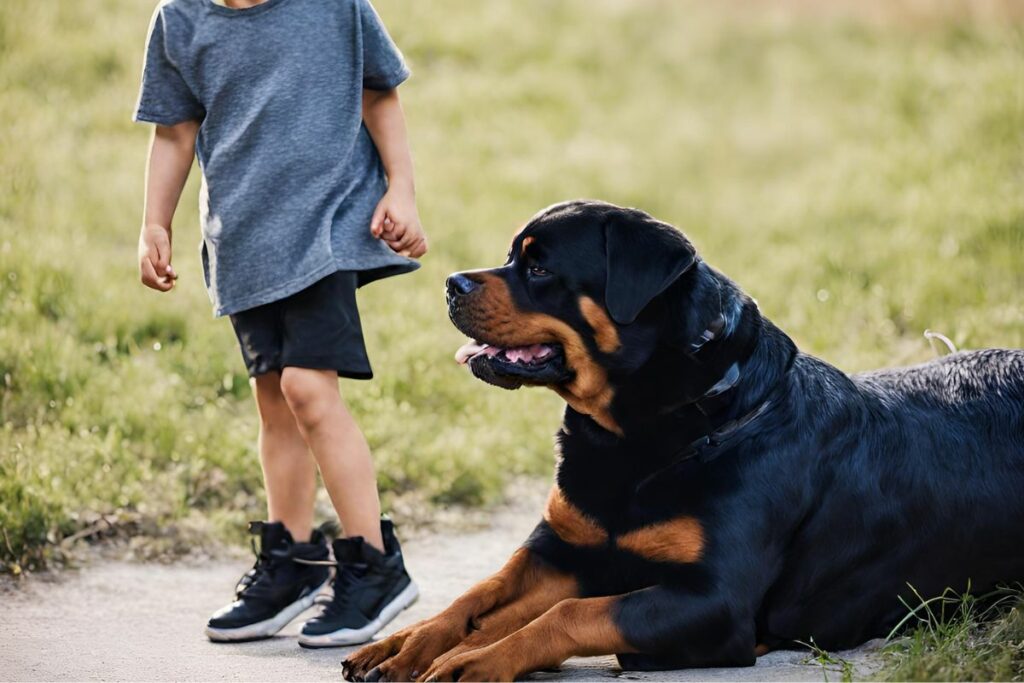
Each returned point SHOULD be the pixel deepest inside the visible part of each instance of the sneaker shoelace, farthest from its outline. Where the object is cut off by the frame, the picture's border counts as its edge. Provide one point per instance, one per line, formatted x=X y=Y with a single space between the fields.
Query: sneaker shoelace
x=346 y=580
x=256 y=583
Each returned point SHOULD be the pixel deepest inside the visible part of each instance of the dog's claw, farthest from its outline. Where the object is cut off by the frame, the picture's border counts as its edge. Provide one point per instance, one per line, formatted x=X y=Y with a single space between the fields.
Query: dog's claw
x=373 y=674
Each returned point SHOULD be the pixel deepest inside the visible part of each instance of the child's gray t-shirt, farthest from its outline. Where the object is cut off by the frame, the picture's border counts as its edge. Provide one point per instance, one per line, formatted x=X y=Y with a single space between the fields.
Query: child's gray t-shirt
x=290 y=174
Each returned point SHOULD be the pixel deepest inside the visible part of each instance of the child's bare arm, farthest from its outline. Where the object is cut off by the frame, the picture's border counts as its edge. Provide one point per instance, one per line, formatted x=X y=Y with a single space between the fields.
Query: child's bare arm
x=170 y=158
x=395 y=220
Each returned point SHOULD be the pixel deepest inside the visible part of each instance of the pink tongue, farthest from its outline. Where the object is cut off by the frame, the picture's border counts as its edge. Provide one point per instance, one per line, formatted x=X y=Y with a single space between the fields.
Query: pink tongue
x=467 y=351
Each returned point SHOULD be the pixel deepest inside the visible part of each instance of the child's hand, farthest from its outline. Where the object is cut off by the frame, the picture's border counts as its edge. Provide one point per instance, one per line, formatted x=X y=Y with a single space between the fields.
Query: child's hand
x=155 y=258
x=397 y=222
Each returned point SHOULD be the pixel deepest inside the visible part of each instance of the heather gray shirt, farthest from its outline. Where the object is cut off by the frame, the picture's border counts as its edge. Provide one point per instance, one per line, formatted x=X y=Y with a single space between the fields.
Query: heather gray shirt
x=290 y=174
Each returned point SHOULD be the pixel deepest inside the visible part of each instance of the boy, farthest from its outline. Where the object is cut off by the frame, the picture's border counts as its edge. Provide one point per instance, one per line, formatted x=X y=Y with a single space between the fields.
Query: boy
x=307 y=194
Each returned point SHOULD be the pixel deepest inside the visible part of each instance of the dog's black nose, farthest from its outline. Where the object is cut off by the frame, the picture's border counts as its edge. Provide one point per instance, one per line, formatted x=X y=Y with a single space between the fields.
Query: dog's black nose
x=460 y=284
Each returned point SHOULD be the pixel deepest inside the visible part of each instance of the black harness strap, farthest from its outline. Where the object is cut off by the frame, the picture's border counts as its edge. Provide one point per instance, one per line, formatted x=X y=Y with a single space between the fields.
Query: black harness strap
x=710 y=334
x=715 y=398
x=711 y=445
x=708 y=447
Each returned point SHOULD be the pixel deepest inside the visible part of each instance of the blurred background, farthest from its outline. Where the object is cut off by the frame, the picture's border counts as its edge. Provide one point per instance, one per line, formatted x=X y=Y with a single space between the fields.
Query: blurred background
x=858 y=167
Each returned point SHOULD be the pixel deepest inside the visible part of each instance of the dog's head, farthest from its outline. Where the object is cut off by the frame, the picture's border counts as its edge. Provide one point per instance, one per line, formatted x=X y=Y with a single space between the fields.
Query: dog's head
x=574 y=306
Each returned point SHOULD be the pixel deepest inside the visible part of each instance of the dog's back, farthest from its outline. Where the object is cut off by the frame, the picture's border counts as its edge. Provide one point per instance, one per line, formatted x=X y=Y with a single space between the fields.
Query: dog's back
x=928 y=496
x=968 y=404
x=990 y=381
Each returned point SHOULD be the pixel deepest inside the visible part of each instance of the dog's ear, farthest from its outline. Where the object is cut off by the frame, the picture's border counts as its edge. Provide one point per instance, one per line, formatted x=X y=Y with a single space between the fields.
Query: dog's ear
x=644 y=256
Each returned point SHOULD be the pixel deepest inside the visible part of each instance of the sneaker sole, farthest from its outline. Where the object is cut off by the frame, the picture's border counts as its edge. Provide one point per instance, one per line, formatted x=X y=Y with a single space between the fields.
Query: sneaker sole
x=267 y=627
x=355 y=636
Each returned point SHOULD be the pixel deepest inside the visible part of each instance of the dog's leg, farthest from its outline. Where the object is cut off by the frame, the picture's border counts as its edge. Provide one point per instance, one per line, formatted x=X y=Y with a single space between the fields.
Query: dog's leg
x=410 y=652
x=677 y=628
x=512 y=616
x=572 y=627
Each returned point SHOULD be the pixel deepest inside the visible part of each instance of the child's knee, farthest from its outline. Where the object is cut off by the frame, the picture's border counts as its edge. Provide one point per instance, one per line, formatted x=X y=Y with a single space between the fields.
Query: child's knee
x=309 y=395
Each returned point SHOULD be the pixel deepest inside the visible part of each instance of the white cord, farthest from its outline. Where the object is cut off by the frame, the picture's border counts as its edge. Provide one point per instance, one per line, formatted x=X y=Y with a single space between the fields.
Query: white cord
x=932 y=336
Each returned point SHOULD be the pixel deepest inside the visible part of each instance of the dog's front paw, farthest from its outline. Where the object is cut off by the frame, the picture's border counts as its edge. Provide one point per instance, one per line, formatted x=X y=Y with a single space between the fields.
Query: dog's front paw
x=403 y=657
x=357 y=665
x=486 y=664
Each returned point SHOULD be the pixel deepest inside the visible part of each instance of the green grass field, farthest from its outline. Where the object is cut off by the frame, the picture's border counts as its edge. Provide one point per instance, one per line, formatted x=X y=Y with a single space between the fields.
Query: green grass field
x=861 y=174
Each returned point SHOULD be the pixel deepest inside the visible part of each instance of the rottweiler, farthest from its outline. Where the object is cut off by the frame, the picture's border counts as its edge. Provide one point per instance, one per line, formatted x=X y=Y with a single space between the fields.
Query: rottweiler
x=718 y=493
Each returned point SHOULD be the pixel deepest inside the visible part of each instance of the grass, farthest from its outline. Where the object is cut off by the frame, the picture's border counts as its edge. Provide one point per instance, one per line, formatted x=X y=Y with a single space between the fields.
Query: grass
x=830 y=663
x=860 y=174
x=961 y=638
x=949 y=637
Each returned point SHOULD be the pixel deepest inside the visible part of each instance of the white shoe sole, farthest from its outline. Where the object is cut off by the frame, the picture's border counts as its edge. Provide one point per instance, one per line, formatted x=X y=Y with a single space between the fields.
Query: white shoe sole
x=355 y=636
x=267 y=627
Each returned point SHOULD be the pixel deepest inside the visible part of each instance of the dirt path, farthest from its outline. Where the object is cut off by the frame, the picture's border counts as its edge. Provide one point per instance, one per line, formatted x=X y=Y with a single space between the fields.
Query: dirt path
x=132 y=621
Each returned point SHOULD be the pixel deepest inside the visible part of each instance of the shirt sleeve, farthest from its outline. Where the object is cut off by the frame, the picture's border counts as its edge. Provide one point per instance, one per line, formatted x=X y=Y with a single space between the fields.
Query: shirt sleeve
x=164 y=97
x=383 y=65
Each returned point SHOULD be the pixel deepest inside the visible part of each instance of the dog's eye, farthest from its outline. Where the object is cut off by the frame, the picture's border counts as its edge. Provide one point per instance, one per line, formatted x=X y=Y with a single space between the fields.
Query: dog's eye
x=537 y=271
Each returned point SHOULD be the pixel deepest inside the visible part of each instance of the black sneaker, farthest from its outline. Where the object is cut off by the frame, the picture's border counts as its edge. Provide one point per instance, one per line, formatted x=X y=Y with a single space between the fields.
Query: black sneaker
x=370 y=589
x=284 y=582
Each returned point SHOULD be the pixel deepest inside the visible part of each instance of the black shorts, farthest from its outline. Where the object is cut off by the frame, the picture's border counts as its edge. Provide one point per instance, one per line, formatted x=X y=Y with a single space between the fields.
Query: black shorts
x=316 y=328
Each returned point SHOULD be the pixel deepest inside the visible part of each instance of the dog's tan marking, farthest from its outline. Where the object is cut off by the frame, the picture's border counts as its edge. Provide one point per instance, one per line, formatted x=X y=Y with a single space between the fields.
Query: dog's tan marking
x=571 y=525
x=583 y=627
x=605 y=334
x=506 y=325
x=677 y=540
x=761 y=650
x=527 y=241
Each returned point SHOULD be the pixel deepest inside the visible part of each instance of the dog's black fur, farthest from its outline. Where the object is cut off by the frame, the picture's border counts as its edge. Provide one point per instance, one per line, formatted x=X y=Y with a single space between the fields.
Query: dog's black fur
x=823 y=499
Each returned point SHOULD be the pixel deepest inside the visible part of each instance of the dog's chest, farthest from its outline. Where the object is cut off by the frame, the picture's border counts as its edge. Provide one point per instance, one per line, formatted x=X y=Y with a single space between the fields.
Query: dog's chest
x=610 y=532
x=627 y=547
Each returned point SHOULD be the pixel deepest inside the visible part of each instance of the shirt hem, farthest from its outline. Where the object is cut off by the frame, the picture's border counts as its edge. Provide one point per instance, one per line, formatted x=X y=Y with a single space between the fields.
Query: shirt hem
x=164 y=119
x=276 y=292
x=266 y=296
x=389 y=81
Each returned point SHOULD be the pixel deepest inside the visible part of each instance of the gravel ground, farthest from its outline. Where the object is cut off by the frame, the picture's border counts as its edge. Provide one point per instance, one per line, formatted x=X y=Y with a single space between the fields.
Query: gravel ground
x=116 y=620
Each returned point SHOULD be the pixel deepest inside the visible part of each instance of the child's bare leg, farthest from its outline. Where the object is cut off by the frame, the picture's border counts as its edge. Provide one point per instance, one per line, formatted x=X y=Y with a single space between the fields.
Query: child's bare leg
x=339 y=447
x=289 y=472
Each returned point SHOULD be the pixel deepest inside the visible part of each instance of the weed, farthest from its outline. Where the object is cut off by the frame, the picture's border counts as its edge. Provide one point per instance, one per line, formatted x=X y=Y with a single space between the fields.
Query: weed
x=960 y=637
